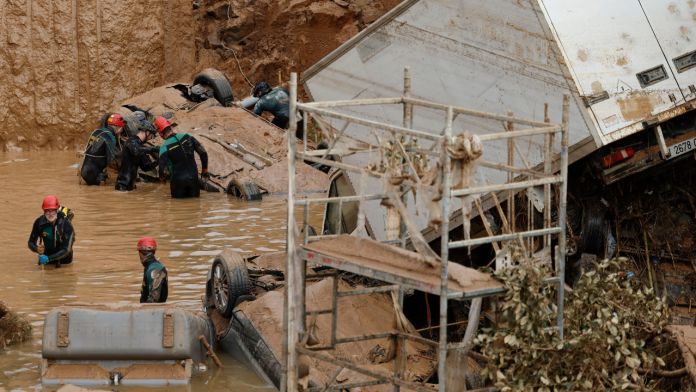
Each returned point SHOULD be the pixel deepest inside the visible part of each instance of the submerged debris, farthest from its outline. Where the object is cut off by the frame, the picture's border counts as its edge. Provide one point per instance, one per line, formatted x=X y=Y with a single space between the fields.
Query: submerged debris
x=13 y=327
x=614 y=331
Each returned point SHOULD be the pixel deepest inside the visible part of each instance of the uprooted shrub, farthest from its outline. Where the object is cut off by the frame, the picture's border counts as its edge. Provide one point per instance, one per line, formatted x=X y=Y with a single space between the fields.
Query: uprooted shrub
x=13 y=328
x=613 y=330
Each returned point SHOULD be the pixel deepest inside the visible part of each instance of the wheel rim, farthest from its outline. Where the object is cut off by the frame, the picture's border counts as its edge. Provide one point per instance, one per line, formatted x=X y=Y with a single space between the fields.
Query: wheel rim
x=220 y=287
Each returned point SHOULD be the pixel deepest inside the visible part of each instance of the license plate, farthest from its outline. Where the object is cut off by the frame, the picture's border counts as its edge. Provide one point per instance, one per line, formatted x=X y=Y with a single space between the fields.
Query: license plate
x=681 y=148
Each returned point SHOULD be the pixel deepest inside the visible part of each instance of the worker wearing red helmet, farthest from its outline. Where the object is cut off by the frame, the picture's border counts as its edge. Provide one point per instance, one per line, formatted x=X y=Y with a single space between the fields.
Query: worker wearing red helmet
x=54 y=233
x=154 y=288
x=103 y=149
x=176 y=160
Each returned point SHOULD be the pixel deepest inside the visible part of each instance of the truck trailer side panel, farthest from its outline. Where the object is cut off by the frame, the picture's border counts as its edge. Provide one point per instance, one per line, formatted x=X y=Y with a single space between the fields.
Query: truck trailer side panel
x=491 y=56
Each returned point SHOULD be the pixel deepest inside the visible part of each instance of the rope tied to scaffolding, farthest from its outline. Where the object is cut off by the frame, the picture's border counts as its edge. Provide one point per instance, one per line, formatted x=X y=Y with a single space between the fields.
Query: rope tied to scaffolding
x=464 y=152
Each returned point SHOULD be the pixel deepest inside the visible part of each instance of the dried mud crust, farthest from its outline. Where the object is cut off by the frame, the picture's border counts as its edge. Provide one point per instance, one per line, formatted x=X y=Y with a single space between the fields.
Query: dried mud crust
x=357 y=315
x=271 y=37
x=76 y=371
x=118 y=307
x=271 y=262
x=134 y=372
x=395 y=260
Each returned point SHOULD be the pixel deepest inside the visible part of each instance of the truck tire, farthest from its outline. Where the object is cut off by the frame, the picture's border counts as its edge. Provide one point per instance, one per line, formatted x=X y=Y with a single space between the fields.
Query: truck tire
x=129 y=118
x=244 y=188
x=230 y=281
x=222 y=91
x=593 y=236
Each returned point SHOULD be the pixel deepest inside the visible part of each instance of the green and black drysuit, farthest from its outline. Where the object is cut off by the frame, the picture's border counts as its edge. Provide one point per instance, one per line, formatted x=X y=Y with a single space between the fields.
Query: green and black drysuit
x=154 y=288
x=57 y=238
x=102 y=151
x=177 y=162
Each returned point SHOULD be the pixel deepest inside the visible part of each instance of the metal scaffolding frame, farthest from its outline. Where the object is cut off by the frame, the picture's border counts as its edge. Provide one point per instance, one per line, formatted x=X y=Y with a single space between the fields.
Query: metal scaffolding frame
x=292 y=346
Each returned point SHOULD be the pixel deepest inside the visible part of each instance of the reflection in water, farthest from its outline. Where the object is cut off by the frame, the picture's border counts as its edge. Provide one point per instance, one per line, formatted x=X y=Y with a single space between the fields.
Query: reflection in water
x=106 y=267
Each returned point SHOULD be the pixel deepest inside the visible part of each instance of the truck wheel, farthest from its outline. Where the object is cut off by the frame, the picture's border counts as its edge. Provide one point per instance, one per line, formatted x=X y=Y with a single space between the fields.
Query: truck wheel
x=222 y=91
x=230 y=282
x=244 y=188
x=593 y=235
x=129 y=118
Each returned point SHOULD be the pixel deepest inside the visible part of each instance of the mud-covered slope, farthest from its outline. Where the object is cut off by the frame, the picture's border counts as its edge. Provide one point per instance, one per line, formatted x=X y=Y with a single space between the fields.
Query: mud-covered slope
x=272 y=36
x=64 y=62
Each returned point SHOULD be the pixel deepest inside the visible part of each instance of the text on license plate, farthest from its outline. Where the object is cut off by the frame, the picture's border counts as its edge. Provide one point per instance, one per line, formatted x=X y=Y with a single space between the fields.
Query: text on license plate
x=681 y=148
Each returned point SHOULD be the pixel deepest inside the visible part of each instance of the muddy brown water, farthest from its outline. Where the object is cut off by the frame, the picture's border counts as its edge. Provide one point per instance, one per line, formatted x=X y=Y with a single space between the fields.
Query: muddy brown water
x=106 y=267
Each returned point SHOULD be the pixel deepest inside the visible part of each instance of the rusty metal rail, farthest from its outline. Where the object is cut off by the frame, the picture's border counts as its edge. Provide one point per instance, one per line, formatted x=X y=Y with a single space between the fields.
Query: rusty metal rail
x=295 y=314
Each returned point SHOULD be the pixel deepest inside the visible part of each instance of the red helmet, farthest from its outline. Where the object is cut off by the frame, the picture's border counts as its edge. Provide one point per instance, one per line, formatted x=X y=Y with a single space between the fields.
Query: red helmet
x=147 y=243
x=116 y=119
x=161 y=124
x=50 y=203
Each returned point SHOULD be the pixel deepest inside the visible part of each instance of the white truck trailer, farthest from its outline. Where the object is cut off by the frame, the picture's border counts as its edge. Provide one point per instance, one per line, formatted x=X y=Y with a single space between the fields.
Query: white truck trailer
x=630 y=66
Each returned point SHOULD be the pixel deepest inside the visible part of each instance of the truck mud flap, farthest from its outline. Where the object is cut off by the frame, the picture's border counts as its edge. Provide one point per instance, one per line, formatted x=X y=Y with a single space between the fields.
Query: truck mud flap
x=244 y=342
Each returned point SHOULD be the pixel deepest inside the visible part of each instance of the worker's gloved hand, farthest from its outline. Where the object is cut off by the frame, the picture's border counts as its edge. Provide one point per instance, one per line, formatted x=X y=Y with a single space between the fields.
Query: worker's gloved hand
x=205 y=174
x=153 y=150
x=43 y=259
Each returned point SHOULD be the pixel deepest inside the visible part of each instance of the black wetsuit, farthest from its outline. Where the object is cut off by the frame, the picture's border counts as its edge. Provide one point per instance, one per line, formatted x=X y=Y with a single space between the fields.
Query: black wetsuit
x=177 y=162
x=133 y=157
x=102 y=151
x=154 y=287
x=277 y=102
x=57 y=239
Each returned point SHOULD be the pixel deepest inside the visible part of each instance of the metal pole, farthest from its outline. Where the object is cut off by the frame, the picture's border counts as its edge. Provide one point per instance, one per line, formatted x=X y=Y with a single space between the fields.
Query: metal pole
x=290 y=336
x=304 y=132
x=560 y=264
x=407 y=124
x=444 y=255
x=547 y=188
x=511 y=177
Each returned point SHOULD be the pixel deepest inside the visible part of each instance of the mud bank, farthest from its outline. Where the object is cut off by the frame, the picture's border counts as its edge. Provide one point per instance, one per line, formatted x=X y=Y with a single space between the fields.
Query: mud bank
x=63 y=63
x=276 y=37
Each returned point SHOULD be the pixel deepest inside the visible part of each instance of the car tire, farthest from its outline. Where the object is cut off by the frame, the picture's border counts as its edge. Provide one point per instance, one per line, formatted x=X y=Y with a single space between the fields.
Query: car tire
x=222 y=91
x=593 y=236
x=244 y=188
x=230 y=281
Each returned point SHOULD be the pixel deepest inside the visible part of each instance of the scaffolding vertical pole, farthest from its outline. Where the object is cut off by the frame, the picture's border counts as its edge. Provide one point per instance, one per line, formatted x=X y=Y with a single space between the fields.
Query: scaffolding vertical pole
x=548 y=149
x=444 y=254
x=560 y=264
x=407 y=124
x=511 y=176
x=289 y=327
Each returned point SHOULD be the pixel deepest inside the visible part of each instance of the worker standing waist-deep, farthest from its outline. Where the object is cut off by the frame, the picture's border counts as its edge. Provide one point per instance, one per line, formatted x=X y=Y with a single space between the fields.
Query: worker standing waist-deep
x=154 y=287
x=133 y=157
x=102 y=151
x=178 y=162
x=55 y=235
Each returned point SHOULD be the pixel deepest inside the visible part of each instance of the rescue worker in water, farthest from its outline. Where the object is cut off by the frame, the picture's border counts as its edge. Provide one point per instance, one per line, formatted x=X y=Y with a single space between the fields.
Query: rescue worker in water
x=55 y=234
x=102 y=151
x=154 y=288
x=277 y=102
x=133 y=157
x=176 y=161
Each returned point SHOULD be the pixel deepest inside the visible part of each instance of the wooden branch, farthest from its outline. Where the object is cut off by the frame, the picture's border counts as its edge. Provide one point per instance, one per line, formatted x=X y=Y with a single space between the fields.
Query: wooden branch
x=210 y=351
x=663 y=373
x=688 y=357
